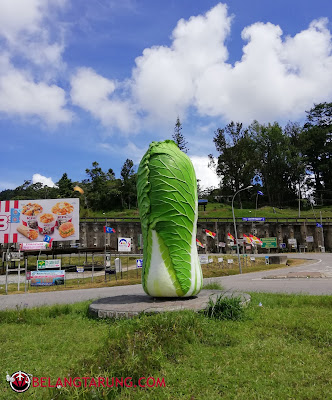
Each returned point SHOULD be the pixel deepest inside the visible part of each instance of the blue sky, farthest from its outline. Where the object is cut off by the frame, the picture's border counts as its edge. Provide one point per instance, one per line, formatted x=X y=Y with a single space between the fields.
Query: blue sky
x=98 y=81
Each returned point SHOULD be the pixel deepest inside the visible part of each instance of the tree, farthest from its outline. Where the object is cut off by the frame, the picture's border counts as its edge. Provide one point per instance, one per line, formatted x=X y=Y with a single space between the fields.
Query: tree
x=234 y=165
x=277 y=161
x=317 y=148
x=65 y=186
x=102 y=187
x=179 y=138
x=128 y=189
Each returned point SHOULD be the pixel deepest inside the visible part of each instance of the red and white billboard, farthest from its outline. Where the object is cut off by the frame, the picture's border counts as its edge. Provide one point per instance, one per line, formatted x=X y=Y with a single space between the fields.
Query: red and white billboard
x=27 y=221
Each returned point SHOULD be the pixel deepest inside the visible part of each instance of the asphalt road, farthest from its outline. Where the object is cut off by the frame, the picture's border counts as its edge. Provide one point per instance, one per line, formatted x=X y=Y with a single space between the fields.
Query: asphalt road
x=250 y=282
x=316 y=264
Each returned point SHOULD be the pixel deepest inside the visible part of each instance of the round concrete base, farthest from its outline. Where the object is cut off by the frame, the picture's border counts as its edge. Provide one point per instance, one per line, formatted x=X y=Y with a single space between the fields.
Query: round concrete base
x=128 y=306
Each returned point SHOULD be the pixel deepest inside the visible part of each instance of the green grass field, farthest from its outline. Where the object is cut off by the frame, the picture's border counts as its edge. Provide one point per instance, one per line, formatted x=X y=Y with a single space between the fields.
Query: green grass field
x=220 y=210
x=133 y=276
x=279 y=350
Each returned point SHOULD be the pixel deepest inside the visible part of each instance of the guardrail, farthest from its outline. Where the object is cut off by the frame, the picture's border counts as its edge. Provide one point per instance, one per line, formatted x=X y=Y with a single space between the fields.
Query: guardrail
x=325 y=220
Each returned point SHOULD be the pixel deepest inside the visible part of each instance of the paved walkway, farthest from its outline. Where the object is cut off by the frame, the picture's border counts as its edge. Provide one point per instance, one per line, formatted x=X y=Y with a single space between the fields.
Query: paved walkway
x=255 y=282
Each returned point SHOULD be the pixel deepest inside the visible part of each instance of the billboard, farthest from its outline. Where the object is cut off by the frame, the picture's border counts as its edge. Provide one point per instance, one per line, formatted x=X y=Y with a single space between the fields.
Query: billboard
x=47 y=278
x=27 y=221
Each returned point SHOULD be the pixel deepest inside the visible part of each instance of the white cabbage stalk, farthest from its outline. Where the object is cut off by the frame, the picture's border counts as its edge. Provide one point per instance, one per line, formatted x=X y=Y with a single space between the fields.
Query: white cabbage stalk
x=168 y=206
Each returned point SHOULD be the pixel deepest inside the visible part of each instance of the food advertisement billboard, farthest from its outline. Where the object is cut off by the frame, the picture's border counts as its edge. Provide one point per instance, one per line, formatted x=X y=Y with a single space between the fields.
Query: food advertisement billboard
x=28 y=221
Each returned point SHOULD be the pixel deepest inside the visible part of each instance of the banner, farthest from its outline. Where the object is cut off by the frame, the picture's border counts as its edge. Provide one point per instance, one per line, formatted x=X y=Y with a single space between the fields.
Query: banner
x=35 y=246
x=47 y=278
x=27 y=221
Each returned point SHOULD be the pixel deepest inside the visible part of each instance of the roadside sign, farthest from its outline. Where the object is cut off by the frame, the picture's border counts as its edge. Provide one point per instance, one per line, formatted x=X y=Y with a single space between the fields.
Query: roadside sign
x=80 y=269
x=204 y=258
x=124 y=244
x=230 y=261
x=15 y=256
x=292 y=241
x=309 y=239
x=43 y=264
x=139 y=263
x=47 y=278
x=282 y=245
x=319 y=225
x=220 y=259
x=269 y=243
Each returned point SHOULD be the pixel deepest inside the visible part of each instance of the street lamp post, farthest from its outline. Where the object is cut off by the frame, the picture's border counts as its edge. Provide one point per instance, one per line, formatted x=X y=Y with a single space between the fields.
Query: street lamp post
x=235 y=231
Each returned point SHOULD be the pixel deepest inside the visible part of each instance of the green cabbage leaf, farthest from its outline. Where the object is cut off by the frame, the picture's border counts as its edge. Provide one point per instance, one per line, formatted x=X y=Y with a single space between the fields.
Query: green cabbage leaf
x=167 y=199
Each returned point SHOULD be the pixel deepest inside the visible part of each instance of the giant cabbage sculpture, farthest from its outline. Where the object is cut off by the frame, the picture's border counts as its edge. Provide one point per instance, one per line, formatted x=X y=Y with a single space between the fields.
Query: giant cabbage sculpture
x=167 y=200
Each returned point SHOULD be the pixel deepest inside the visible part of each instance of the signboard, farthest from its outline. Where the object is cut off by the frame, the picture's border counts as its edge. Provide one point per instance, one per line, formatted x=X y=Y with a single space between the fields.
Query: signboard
x=269 y=243
x=230 y=261
x=28 y=221
x=28 y=275
x=241 y=241
x=253 y=219
x=42 y=264
x=309 y=239
x=124 y=244
x=282 y=245
x=47 y=278
x=319 y=225
x=293 y=242
x=35 y=246
x=222 y=244
x=139 y=263
x=15 y=256
x=204 y=258
x=79 y=269
x=220 y=259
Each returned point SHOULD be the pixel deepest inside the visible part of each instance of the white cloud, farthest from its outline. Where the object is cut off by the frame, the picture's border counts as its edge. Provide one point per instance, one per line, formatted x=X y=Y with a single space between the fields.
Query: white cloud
x=42 y=179
x=21 y=95
x=275 y=79
x=96 y=94
x=26 y=28
x=165 y=77
x=207 y=176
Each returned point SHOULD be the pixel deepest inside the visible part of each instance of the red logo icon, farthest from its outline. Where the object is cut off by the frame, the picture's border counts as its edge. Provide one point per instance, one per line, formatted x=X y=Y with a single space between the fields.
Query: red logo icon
x=19 y=381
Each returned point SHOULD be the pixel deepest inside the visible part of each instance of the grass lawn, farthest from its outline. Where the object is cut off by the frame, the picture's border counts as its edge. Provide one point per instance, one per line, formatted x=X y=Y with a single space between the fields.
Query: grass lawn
x=133 y=276
x=220 y=210
x=279 y=350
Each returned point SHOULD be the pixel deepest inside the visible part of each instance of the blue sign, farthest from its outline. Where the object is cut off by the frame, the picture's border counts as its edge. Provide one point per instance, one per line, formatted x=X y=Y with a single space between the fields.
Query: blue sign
x=139 y=263
x=253 y=219
x=47 y=239
x=319 y=225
